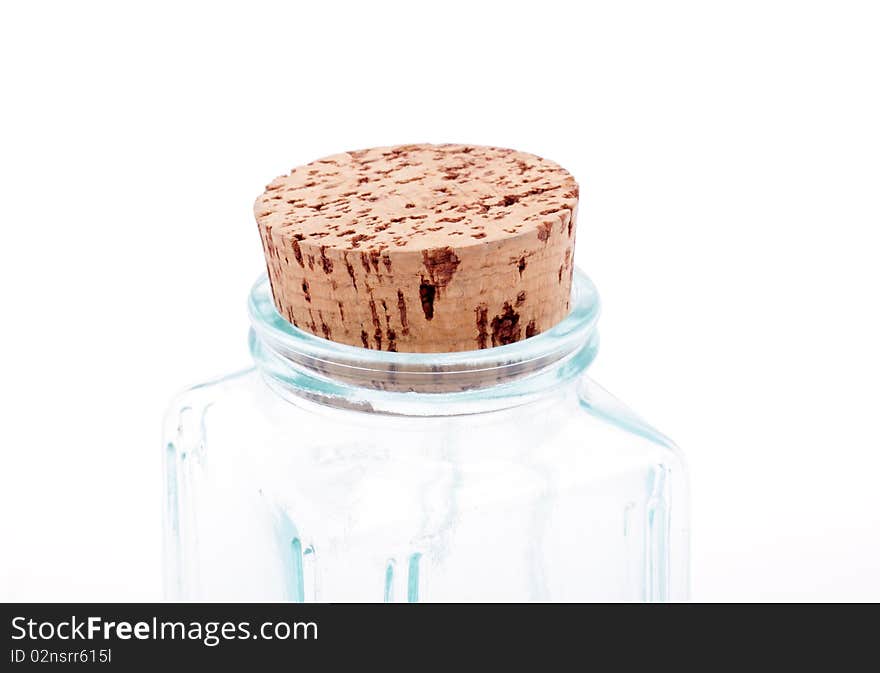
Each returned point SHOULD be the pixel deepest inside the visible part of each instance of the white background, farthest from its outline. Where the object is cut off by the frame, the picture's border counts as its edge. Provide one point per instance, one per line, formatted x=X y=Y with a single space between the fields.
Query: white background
x=729 y=158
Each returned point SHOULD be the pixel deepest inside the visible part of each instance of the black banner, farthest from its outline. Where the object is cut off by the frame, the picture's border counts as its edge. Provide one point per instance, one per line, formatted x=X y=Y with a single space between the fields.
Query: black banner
x=146 y=636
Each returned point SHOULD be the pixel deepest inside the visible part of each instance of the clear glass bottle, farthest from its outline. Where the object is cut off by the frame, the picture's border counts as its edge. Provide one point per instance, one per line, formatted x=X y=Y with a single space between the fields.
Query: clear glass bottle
x=334 y=473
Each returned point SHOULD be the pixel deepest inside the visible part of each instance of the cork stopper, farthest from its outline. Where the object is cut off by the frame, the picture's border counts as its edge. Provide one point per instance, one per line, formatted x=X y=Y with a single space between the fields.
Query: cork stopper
x=421 y=248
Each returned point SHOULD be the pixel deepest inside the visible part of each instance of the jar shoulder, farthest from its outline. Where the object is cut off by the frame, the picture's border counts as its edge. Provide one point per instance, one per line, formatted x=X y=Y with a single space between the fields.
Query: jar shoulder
x=579 y=416
x=600 y=406
x=587 y=423
x=185 y=416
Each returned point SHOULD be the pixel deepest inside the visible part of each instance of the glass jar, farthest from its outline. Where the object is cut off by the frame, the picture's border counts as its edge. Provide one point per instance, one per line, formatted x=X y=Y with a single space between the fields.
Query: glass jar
x=334 y=473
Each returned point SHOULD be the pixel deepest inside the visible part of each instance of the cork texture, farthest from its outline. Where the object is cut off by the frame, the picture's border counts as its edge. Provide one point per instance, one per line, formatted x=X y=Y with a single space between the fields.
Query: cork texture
x=421 y=248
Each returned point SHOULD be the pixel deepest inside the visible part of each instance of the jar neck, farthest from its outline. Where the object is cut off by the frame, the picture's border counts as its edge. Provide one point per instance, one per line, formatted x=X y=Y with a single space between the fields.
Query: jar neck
x=296 y=363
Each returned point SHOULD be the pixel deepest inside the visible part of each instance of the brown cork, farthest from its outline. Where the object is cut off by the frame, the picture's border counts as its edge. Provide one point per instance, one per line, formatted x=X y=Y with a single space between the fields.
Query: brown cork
x=421 y=248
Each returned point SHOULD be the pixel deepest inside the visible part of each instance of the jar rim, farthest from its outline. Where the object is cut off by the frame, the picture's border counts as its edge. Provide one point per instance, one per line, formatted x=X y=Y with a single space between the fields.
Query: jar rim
x=272 y=328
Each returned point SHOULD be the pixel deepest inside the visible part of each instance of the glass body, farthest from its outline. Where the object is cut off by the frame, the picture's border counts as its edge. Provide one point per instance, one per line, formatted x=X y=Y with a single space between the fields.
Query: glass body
x=333 y=473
